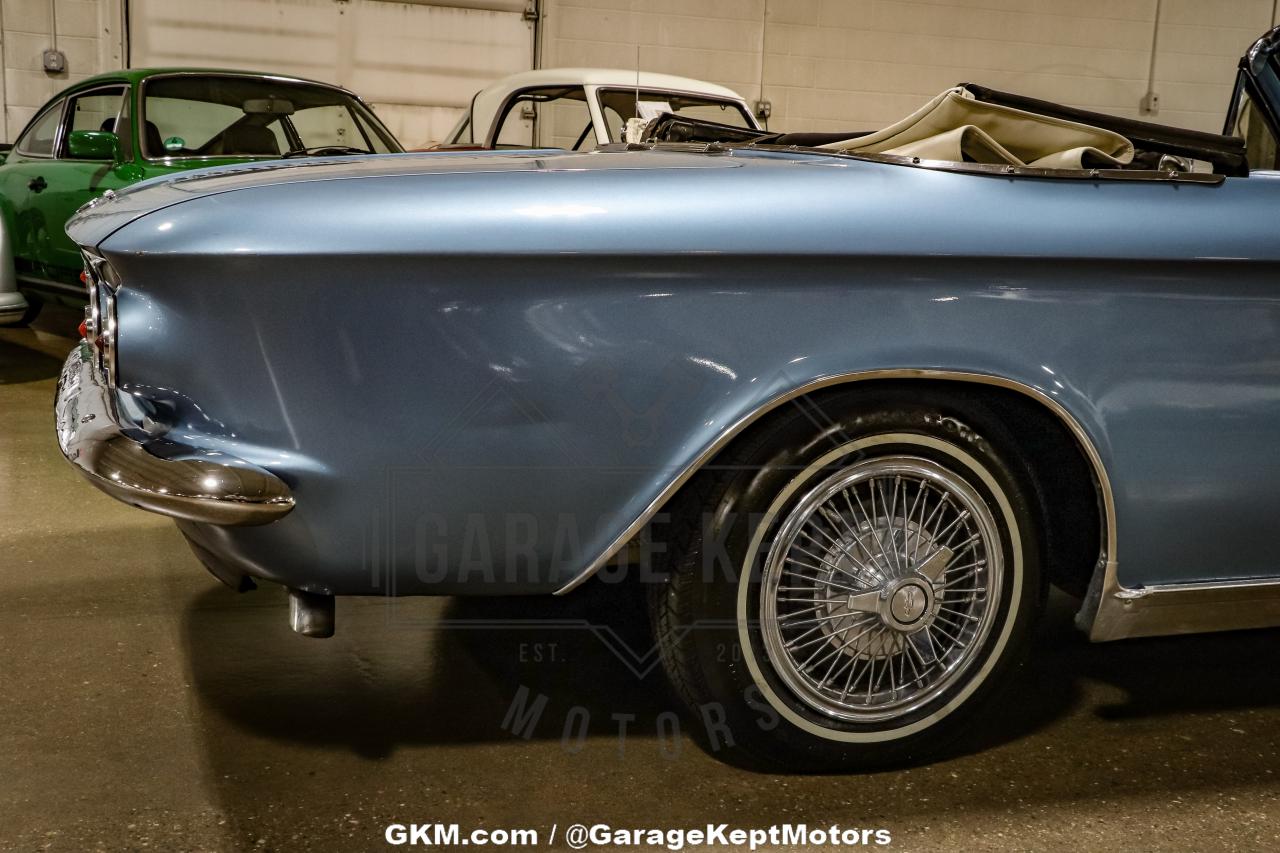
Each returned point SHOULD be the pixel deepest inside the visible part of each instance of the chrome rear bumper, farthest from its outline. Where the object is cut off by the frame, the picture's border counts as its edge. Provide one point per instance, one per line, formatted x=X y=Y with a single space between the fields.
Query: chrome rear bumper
x=154 y=473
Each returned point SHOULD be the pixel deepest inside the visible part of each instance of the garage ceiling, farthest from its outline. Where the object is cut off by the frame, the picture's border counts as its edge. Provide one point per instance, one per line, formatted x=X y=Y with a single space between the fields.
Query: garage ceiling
x=416 y=62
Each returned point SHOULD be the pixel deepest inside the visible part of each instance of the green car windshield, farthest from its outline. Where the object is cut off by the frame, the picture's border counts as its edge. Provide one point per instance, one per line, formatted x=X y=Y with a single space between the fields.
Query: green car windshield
x=230 y=116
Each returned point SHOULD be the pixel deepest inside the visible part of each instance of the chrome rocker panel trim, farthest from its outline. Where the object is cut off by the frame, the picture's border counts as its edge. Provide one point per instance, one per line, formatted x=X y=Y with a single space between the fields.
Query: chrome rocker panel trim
x=1191 y=608
x=1112 y=612
x=154 y=473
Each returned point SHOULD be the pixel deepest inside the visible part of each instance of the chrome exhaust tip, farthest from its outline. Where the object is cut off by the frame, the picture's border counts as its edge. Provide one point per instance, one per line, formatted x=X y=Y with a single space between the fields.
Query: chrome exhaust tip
x=311 y=613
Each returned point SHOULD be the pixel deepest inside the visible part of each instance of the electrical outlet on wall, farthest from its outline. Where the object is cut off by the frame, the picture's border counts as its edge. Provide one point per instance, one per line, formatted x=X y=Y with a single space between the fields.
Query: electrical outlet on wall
x=55 y=61
x=1150 y=104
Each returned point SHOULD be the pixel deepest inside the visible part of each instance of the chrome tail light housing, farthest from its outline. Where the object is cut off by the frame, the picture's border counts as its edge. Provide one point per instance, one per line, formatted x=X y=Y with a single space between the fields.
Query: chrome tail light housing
x=100 y=316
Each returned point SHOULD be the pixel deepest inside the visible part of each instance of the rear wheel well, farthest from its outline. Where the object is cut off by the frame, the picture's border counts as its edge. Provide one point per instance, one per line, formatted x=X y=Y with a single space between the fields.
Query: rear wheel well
x=1068 y=495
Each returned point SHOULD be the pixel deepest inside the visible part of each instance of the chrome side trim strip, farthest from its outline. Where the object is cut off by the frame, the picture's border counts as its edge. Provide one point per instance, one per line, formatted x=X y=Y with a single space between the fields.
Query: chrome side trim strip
x=1103 y=483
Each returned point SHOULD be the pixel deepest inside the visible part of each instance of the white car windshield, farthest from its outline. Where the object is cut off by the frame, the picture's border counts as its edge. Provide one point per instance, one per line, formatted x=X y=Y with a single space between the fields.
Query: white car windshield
x=618 y=105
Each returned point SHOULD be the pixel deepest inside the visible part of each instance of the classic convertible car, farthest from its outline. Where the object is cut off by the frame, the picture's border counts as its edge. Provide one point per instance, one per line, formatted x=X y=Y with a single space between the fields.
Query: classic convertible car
x=118 y=128
x=580 y=108
x=856 y=406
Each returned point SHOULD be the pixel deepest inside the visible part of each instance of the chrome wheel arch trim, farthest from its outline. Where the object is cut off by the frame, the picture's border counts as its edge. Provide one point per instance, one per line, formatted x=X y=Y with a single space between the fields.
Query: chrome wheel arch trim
x=1109 y=613
x=1110 y=610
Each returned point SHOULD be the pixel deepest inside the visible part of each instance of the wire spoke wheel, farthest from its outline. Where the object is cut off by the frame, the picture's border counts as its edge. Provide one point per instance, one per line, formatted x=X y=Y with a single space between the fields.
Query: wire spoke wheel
x=880 y=588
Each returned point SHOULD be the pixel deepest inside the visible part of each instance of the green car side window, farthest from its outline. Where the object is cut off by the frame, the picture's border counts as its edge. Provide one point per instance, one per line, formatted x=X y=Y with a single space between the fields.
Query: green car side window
x=40 y=137
x=98 y=109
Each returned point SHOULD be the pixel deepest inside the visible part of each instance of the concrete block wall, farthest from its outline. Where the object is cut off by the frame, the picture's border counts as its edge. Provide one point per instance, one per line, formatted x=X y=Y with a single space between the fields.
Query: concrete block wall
x=1198 y=48
x=417 y=63
x=718 y=40
x=824 y=64
x=88 y=32
x=856 y=64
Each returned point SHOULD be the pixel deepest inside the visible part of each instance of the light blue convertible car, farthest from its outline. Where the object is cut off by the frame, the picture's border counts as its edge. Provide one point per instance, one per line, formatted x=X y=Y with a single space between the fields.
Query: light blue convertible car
x=855 y=406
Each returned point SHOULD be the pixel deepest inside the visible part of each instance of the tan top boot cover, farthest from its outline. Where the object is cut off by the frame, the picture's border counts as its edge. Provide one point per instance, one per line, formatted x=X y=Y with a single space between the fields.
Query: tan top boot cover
x=955 y=126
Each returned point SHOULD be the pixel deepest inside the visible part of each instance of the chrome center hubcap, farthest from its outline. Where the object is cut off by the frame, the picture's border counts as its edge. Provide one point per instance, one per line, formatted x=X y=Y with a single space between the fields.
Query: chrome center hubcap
x=907 y=605
x=880 y=587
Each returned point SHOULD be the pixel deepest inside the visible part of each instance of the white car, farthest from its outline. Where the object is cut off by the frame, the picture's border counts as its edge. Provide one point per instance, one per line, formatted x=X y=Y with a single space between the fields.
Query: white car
x=580 y=108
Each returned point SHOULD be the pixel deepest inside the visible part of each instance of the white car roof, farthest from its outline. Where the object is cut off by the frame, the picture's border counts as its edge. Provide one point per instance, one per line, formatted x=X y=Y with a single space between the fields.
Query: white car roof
x=487 y=101
x=619 y=77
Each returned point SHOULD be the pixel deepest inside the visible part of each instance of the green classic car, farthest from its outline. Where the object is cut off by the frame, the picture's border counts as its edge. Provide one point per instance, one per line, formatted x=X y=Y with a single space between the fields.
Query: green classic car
x=119 y=128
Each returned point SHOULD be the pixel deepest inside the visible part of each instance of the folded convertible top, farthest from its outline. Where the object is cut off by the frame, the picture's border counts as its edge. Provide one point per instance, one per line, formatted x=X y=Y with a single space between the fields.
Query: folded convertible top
x=1226 y=153
x=975 y=124
x=956 y=127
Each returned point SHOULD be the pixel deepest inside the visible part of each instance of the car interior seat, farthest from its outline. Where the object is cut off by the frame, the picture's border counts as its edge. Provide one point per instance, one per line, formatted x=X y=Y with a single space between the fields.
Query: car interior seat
x=247 y=139
x=155 y=145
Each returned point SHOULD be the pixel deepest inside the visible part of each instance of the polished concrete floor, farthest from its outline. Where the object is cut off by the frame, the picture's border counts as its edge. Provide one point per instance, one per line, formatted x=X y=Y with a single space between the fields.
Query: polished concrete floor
x=145 y=706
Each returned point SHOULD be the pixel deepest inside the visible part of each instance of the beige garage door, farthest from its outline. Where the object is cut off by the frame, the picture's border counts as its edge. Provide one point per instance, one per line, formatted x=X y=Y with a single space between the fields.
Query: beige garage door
x=418 y=63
